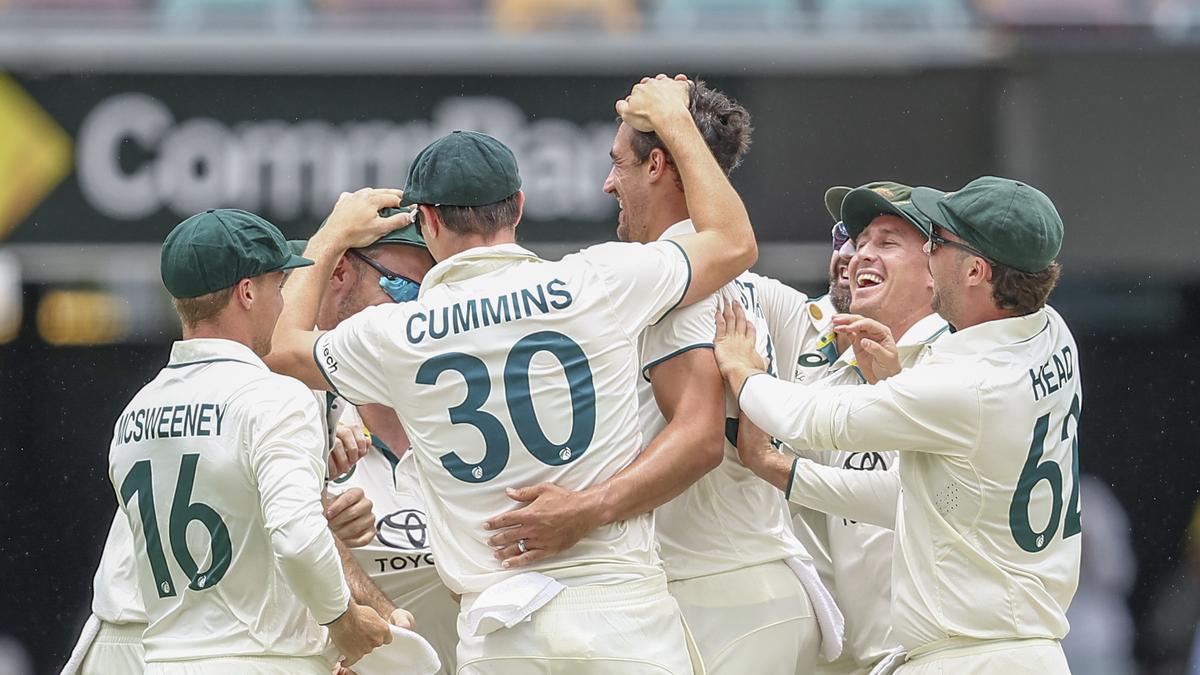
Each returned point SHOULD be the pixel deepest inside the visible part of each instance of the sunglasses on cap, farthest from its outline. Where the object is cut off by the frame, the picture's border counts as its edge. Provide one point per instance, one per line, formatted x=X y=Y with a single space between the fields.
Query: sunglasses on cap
x=397 y=286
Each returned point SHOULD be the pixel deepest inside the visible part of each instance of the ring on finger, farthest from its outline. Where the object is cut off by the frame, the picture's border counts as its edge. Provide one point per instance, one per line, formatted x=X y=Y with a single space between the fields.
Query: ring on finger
x=521 y=546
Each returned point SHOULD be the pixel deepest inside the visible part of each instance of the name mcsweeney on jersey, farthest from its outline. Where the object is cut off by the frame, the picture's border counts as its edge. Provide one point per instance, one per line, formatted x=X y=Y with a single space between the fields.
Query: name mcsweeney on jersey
x=462 y=317
x=171 y=421
x=1053 y=374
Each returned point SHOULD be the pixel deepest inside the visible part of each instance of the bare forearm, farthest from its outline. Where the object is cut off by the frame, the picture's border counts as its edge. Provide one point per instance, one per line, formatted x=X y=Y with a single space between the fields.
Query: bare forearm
x=290 y=343
x=362 y=589
x=758 y=453
x=664 y=470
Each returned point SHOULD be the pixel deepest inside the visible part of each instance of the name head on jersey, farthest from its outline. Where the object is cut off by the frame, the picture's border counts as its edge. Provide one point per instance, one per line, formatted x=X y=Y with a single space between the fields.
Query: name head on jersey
x=858 y=207
x=1009 y=221
x=217 y=248
x=462 y=168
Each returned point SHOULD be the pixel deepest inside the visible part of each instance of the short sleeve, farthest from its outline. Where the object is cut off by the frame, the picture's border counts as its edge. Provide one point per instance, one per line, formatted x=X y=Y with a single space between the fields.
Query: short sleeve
x=351 y=356
x=680 y=331
x=644 y=281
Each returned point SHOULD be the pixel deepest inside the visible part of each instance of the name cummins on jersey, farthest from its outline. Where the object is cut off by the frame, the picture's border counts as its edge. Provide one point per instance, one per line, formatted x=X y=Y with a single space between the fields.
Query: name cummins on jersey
x=508 y=371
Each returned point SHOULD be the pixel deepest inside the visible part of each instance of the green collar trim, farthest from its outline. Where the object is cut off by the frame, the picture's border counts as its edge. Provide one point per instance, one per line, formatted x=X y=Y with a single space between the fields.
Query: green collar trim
x=382 y=447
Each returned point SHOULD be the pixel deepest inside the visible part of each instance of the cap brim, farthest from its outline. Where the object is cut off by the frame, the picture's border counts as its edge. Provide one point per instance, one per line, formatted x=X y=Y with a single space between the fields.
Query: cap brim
x=862 y=205
x=293 y=261
x=929 y=202
x=297 y=246
x=834 y=197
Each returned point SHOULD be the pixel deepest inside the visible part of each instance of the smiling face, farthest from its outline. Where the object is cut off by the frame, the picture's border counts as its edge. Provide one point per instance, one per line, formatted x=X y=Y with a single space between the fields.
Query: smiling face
x=629 y=182
x=839 y=277
x=889 y=274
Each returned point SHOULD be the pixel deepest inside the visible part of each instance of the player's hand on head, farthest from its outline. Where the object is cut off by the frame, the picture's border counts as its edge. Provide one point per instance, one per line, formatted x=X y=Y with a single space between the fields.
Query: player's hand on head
x=551 y=520
x=351 y=517
x=355 y=221
x=358 y=632
x=875 y=349
x=653 y=101
x=734 y=342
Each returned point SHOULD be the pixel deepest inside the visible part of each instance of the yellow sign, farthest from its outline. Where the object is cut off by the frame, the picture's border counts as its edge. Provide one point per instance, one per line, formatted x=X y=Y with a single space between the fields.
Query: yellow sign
x=35 y=155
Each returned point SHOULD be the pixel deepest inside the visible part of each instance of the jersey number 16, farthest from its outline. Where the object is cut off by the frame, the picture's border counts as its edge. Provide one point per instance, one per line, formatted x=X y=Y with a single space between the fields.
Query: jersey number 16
x=183 y=511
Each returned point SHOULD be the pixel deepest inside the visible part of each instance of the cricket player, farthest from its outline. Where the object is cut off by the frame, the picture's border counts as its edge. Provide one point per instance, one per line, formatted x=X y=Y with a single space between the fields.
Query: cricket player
x=987 y=536
x=396 y=556
x=218 y=464
x=890 y=283
x=509 y=370
x=724 y=535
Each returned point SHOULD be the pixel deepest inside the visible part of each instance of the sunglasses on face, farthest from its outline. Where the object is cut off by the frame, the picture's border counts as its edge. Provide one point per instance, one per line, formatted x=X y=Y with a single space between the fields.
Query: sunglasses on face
x=936 y=240
x=397 y=286
x=840 y=235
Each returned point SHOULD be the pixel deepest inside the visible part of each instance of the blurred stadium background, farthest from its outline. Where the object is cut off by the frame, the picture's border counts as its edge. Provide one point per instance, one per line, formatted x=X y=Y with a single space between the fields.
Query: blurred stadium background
x=118 y=118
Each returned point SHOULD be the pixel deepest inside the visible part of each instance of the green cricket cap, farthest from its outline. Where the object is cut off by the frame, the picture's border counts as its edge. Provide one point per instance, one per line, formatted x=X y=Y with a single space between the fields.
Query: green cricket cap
x=409 y=235
x=1010 y=222
x=217 y=248
x=859 y=206
x=462 y=168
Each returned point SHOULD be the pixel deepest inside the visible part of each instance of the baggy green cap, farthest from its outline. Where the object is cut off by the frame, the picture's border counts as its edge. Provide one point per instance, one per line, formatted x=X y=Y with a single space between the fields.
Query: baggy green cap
x=1010 y=222
x=218 y=248
x=858 y=207
x=462 y=168
x=409 y=235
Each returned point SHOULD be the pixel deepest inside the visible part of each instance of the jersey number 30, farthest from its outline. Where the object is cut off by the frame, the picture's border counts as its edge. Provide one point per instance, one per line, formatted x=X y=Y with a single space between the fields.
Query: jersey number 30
x=1036 y=471
x=183 y=512
x=520 y=405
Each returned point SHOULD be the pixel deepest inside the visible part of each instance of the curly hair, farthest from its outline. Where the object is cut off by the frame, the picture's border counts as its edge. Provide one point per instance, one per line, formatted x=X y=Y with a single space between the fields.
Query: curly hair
x=1023 y=292
x=723 y=122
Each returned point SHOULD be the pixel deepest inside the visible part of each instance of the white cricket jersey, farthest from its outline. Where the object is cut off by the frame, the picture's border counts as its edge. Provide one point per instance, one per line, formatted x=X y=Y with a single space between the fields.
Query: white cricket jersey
x=989 y=509
x=218 y=464
x=508 y=371
x=729 y=519
x=802 y=333
x=115 y=594
x=860 y=490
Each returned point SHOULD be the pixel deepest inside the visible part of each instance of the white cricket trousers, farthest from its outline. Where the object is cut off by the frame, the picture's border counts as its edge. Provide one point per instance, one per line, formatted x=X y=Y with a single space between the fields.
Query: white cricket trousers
x=627 y=628
x=117 y=648
x=962 y=656
x=755 y=619
x=243 y=665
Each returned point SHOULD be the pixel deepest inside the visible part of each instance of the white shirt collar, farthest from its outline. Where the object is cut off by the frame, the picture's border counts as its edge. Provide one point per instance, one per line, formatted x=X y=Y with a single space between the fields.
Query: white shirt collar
x=918 y=335
x=197 y=350
x=475 y=261
x=984 y=336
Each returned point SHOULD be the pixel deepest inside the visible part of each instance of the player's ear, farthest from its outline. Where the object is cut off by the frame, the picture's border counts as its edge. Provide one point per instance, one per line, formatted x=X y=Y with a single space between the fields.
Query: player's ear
x=341 y=272
x=978 y=272
x=658 y=164
x=431 y=222
x=244 y=293
x=520 y=207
